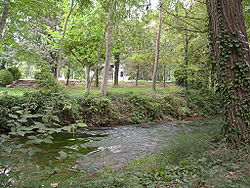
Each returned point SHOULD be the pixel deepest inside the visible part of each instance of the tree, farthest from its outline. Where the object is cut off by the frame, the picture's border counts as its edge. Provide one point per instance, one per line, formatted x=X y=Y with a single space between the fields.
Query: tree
x=157 y=49
x=138 y=66
x=116 y=66
x=232 y=61
x=186 y=21
x=84 y=44
x=4 y=16
x=117 y=10
x=108 y=52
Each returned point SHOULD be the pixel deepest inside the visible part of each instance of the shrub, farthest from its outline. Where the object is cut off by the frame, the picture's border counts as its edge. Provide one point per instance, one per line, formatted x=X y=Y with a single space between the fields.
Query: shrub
x=181 y=77
x=46 y=80
x=6 y=77
x=38 y=103
x=16 y=72
x=204 y=102
x=145 y=108
x=192 y=76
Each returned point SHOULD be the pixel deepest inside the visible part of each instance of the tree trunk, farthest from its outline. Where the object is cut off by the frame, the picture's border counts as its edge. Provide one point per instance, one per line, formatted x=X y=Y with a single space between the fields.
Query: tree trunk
x=92 y=77
x=186 y=45
x=107 y=57
x=97 y=78
x=164 y=75
x=87 y=78
x=117 y=65
x=137 y=75
x=68 y=76
x=4 y=16
x=232 y=61
x=55 y=72
x=157 y=49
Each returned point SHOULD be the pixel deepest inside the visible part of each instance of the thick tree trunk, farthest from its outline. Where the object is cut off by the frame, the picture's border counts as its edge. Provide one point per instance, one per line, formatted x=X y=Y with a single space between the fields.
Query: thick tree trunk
x=107 y=57
x=232 y=61
x=137 y=75
x=117 y=66
x=4 y=16
x=157 y=49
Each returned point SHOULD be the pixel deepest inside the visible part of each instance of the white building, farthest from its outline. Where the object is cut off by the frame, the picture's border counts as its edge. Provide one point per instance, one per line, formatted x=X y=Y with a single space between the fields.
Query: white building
x=122 y=75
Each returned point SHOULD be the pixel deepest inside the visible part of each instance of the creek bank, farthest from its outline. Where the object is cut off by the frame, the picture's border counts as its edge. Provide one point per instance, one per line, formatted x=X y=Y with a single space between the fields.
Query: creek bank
x=60 y=108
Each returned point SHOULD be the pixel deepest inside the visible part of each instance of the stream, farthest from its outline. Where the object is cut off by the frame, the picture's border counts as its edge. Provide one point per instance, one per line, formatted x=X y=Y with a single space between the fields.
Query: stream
x=99 y=148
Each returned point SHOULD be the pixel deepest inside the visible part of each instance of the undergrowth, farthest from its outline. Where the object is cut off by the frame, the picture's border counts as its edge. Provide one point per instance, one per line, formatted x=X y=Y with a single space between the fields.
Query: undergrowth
x=115 y=109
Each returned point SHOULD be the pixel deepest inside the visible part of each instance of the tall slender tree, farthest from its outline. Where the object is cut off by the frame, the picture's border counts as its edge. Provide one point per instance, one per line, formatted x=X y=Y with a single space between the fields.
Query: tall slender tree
x=4 y=16
x=108 y=52
x=157 y=48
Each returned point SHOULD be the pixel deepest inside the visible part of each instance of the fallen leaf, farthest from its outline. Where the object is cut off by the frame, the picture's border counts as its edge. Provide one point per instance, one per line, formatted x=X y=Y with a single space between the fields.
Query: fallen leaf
x=232 y=173
x=54 y=184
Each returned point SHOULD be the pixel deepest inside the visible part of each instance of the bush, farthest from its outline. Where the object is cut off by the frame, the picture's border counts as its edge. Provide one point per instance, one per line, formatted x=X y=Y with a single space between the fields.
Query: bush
x=180 y=77
x=192 y=76
x=16 y=72
x=41 y=103
x=46 y=80
x=205 y=102
x=6 y=77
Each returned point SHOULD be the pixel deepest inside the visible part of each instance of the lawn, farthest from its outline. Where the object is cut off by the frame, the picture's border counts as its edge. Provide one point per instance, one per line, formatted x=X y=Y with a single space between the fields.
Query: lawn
x=128 y=88
x=15 y=91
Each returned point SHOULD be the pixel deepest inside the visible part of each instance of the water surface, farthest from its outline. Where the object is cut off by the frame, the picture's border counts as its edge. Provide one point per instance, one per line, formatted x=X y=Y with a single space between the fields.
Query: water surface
x=108 y=147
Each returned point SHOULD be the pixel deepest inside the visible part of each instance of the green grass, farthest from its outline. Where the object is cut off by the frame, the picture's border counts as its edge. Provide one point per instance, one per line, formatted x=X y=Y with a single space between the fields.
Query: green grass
x=15 y=91
x=129 y=89
x=117 y=90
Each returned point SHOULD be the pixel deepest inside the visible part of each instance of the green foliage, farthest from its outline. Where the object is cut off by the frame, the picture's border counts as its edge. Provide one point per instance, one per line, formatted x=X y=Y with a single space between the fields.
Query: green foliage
x=231 y=68
x=176 y=106
x=45 y=79
x=112 y=110
x=192 y=76
x=6 y=77
x=145 y=108
x=35 y=128
x=181 y=77
x=204 y=102
x=41 y=106
x=16 y=72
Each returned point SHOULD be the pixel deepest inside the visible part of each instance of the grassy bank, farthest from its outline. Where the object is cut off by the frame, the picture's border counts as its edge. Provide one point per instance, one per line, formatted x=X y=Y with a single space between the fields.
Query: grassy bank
x=193 y=158
x=63 y=108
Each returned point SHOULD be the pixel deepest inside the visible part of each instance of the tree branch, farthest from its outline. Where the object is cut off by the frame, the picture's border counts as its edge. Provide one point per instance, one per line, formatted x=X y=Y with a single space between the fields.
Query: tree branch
x=183 y=28
x=189 y=17
x=67 y=19
x=178 y=17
